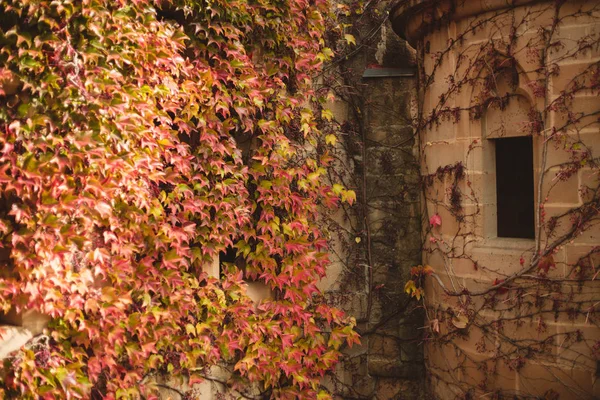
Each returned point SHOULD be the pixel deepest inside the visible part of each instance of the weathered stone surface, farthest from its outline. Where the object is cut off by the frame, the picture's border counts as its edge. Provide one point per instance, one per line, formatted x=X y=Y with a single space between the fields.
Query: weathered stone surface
x=399 y=389
x=12 y=338
x=372 y=287
x=393 y=368
x=33 y=321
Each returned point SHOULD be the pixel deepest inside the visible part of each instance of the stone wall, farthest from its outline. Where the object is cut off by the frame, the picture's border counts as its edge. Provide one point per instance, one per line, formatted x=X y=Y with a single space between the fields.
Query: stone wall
x=369 y=272
x=523 y=339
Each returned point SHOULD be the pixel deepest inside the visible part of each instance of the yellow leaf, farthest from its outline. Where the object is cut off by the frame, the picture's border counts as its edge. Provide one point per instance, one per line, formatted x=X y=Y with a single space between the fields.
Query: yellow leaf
x=331 y=139
x=410 y=287
x=357 y=239
x=337 y=188
x=349 y=196
x=323 y=395
x=190 y=329
x=350 y=38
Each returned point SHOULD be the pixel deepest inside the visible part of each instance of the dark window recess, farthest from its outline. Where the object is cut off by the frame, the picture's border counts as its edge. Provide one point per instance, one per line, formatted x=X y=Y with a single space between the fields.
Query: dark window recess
x=514 y=187
x=227 y=256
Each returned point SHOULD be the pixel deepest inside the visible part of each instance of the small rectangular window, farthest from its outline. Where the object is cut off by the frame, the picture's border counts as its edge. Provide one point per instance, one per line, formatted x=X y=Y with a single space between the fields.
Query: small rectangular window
x=514 y=187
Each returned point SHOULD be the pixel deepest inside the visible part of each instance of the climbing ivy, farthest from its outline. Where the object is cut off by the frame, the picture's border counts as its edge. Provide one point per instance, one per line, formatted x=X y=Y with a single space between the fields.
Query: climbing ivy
x=139 y=140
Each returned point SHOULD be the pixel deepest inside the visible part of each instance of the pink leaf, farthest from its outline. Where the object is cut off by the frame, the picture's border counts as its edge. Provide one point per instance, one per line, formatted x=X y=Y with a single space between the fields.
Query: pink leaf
x=435 y=220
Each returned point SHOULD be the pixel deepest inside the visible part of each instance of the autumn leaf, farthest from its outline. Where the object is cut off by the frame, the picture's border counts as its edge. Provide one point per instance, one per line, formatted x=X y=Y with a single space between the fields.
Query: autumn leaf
x=545 y=264
x=435 y=325
x=409 y=287
x=460 y=321
x=435 y=220
x=349 y=196
x=413 y=290
x=502 y=289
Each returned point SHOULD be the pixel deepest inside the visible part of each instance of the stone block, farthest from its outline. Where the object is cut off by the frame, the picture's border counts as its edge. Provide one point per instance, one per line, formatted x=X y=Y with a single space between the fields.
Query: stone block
x=443 y=154
x=391 y=136
x=499 y=262
x=511 y=121
x=486 y=374
x=33 y=321
x=476 y=188
x=12 y=338
x=566 y=36
x=385 y=217
x=443 y=361
x=560 y=149
x=384 y=92
x=383 y=345
x=258 y=291
x=397 y=389
x=393 y=368
x=575 y=344
x=582 y=256
x=534 y=336
x=468 y=128
x=213 y=268
x=542 y=380
x=451 y=223
x=386 y=161
x=577 y=74
x=589 y=180
x=387 y=188
x=412 y=353
x=584 y=109
x=591 y=235
x=559 y=190
x=389 y=276
x=442 y=130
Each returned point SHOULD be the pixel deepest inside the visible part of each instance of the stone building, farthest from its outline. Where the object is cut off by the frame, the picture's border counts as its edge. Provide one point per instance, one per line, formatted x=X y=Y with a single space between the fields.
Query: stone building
x=509 y=145
x=505 y=95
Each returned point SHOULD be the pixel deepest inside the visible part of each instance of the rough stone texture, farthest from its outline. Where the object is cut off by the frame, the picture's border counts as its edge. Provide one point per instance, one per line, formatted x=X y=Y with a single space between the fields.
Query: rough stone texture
x=394 y=357
x=389 y=362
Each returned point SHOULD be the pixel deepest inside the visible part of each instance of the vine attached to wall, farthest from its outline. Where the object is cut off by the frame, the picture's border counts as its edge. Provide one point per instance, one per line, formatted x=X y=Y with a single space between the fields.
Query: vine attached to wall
x=505 y=310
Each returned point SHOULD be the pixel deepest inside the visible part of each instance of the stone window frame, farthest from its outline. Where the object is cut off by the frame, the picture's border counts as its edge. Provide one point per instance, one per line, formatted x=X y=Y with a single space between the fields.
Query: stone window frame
x=489 y=231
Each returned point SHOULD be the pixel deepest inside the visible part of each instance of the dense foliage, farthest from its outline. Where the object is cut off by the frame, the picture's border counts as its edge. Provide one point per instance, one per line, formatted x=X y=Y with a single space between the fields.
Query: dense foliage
x=139 y=140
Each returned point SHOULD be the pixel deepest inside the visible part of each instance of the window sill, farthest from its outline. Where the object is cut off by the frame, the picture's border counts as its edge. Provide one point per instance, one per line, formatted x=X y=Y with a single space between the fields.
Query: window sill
x=507 y=243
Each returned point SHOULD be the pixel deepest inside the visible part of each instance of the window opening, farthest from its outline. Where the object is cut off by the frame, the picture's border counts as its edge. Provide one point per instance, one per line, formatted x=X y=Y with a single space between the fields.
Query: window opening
x=514 y=187
x=228 y=258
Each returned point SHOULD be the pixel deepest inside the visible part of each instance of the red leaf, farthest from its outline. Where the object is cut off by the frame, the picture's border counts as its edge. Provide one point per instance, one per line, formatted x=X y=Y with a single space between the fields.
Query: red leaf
x=545 y=264
x=435 y=220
